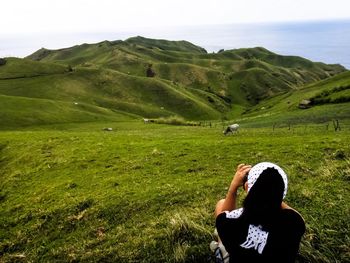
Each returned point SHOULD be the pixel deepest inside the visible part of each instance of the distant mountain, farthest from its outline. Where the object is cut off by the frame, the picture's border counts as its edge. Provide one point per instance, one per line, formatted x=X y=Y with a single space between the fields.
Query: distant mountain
x=153 y=78
x=242 y=76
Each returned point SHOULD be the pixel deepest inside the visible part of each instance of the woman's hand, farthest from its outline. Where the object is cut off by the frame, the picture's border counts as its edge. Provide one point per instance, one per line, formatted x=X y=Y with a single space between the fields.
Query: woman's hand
x=229 y=203
x=238 y=179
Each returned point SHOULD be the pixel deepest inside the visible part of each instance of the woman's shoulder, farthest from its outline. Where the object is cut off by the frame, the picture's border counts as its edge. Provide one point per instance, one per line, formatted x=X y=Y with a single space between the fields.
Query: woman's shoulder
x=291 y=212
x=229 y=218
x=293 y=218
x=234 y=214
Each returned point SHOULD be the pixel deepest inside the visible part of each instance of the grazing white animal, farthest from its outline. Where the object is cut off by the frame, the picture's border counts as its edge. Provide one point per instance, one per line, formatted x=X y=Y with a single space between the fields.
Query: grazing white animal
x=148 y=120
x=107 y=129
x=231 y=129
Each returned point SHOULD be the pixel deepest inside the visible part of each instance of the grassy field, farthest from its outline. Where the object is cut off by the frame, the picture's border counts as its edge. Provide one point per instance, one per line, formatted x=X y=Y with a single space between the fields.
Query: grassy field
x=147 y=192
x=71 y=192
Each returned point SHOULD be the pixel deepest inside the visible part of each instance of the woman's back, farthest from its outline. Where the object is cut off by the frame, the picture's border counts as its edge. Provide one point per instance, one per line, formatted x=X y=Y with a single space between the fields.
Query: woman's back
x=280 y=243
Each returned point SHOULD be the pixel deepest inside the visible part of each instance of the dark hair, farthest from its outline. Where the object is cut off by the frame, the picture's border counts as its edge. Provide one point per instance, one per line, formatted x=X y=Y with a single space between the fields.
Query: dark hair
x=263 y=202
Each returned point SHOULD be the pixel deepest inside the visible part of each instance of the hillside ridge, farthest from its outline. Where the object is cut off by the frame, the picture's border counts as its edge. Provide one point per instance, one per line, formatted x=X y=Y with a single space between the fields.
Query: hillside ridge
x=157 y=78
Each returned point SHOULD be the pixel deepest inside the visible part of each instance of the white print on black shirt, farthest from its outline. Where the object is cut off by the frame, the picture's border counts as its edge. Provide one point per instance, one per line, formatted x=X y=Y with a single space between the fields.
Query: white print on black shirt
x=256 y=238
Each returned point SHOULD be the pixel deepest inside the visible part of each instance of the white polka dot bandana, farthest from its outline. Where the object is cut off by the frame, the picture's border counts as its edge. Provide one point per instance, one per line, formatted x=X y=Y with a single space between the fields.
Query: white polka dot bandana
x=257 y=170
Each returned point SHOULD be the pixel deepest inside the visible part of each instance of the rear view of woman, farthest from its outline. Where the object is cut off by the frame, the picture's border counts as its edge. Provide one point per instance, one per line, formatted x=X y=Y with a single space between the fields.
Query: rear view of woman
x=265 y=229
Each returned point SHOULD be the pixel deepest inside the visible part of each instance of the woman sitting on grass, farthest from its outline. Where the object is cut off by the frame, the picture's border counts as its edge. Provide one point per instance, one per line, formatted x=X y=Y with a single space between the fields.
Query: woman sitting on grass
x=265 y=229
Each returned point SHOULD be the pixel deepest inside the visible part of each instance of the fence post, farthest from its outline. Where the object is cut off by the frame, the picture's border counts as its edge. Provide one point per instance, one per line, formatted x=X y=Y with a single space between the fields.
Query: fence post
x=336 y=125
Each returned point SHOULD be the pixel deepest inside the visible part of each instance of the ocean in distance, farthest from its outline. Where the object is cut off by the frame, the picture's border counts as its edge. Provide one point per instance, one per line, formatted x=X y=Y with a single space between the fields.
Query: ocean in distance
x=324 y=41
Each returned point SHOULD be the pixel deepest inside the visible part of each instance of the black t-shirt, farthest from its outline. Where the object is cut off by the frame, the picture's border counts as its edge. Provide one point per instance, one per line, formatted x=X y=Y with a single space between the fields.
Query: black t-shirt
x=281 y=241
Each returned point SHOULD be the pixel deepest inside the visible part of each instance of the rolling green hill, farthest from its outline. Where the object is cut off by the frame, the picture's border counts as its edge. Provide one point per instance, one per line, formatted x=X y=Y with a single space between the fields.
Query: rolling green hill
x=129 y=95
x=242 y=76
x=329 y=99
x=150 y=78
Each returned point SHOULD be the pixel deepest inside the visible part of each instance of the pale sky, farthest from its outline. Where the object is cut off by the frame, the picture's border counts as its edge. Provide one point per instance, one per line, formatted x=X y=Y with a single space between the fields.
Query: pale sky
x=64 y=16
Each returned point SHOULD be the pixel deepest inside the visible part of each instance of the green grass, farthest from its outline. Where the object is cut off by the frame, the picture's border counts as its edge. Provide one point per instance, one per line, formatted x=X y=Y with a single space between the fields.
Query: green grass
x=25 y=68
x=21 y=112
x=147 y=192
